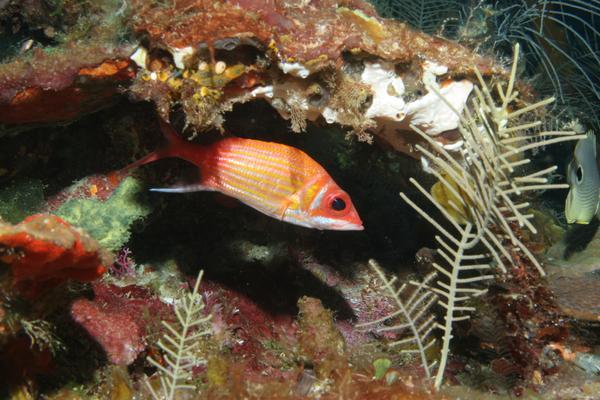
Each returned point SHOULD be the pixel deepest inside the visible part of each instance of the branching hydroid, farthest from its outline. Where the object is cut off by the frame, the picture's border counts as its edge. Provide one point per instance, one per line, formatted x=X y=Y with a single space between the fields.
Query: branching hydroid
x=412 y=315
x=486 y=171
x=179 y=344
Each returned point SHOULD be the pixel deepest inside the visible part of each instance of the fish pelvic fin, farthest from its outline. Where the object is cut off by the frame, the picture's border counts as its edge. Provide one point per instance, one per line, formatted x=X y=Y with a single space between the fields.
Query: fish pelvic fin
x=292 y=201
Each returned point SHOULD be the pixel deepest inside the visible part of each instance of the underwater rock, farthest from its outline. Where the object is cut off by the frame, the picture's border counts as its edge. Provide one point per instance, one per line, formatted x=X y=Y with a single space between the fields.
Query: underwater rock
x=305 y=36
x=60 y=85
x=320 y=341
x=117 y=333
x=21 y=363
x=21 y=199
x=573 y=267
x=578 y=297
x=309 y=60
x=249 y=252
x=44 y=251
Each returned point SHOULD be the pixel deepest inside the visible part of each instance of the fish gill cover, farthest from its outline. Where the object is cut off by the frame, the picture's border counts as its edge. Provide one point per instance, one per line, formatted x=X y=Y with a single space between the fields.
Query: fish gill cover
x=467 y=284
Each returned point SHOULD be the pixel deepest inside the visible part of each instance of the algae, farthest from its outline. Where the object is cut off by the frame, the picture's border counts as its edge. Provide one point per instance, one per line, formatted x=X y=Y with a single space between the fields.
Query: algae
x=381 y=366
x=108 y=221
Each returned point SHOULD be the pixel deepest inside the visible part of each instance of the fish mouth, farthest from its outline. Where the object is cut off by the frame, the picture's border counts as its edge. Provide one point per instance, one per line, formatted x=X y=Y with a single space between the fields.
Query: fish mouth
x=350 y=227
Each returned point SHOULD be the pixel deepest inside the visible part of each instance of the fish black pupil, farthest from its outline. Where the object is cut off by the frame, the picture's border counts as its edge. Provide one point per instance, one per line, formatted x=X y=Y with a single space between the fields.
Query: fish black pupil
x=338 y=204
x=579 y=173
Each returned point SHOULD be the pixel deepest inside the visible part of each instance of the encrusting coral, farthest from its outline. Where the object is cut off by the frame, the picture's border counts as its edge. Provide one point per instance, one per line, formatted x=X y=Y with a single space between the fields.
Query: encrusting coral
x=335 y=61
x=79 y=71
x=50 y=88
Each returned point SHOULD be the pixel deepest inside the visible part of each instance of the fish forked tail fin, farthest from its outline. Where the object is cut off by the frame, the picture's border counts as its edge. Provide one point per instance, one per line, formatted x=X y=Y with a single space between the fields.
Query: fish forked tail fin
x=171 y=135
x=172 y=149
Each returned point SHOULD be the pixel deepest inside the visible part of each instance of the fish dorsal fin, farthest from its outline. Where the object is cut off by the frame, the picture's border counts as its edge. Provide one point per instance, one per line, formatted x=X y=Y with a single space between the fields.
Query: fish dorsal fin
x=592 y=137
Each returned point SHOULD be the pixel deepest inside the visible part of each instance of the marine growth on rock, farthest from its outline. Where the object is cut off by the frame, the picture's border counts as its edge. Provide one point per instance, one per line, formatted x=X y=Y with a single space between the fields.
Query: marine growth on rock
x=249 y=273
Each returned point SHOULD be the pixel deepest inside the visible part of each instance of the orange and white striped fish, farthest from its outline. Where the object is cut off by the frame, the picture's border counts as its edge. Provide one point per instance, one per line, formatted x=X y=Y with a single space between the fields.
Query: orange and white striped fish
x=277 y=180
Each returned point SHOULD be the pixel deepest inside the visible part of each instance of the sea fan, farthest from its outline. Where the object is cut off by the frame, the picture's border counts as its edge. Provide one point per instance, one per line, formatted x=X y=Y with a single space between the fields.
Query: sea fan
x=425 y=15
x=179 y=343
x=485 y=188
x=412 y=315
x=560 y=39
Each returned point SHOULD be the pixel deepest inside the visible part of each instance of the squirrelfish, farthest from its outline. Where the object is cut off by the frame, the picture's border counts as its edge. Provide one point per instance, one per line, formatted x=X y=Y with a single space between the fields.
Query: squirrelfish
x=583 y=177
x=278 y=180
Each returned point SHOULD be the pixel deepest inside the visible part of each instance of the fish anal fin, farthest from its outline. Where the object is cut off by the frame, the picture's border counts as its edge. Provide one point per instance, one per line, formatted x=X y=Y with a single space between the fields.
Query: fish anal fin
x=196 y=187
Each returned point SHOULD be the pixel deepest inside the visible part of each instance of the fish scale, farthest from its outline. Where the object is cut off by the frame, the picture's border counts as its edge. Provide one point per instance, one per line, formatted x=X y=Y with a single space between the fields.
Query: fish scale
x=278 y=180
x=248 y=178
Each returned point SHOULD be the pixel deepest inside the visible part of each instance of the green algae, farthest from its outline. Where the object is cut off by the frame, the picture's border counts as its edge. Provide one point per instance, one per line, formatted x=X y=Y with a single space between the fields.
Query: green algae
x=381 y=366
x=108 y=221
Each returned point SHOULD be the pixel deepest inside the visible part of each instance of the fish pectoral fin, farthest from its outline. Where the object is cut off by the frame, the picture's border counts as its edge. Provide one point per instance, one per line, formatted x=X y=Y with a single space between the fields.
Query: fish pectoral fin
x=184 y=189
x=281 y=210
x=293 y=199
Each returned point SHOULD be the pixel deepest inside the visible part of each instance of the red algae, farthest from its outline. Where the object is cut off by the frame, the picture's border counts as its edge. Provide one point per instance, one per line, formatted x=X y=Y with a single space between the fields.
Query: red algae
x=248 y=330
x=277 y=358
x=116 y=332
x=120 y=318
x=20 y=362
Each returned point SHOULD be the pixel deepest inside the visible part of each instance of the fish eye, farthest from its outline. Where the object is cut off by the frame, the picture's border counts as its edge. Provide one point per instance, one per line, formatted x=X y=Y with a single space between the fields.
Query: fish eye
x=338 y=204
x=579 y=173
